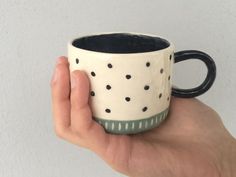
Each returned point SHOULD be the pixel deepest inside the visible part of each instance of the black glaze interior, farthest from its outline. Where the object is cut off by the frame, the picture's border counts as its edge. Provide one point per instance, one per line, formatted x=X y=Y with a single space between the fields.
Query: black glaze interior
x=121 y=43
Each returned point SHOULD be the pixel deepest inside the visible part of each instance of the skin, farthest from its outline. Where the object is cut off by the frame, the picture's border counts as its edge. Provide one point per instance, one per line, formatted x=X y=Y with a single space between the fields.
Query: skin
x=192 y=141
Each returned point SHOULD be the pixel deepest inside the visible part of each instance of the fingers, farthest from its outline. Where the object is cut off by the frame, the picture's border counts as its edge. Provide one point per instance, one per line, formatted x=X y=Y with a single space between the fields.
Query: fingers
x=91 y=134
x=60 y=90
x=72 y=114
x=81 y=116
x=73 y=117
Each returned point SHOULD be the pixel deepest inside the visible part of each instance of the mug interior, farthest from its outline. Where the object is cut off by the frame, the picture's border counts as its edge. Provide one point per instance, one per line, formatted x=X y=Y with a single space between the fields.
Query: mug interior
x=121 y=43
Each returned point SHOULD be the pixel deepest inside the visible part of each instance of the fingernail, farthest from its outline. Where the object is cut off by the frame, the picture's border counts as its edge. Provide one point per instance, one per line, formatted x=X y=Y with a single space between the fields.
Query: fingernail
x=59 y=60
x=73 y=80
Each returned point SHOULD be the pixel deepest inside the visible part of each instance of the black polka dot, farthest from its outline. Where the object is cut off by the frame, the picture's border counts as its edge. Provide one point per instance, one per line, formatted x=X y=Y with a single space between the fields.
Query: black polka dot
x=108 y=110
x=93 y=74
x=127 y=99
x=170 y=57
x=160 y=95
x=92 y=93
x=128 y=76
x=77 y=61
x=109 y=65
x=145 y=109
x=169 y=78
x=146 y=87
x=168 y=98
x=162 y=70
x=108 y=87
x=148 y=64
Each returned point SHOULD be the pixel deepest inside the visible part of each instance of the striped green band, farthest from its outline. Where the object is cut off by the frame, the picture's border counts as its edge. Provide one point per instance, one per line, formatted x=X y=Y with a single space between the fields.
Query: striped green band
x=132 y=126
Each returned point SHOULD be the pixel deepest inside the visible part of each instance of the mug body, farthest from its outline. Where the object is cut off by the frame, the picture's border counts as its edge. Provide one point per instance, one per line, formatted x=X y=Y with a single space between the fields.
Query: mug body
x=130 y=78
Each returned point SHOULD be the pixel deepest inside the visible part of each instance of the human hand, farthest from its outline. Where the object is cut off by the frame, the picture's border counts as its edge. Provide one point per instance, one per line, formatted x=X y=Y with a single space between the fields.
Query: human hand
x=192 y=141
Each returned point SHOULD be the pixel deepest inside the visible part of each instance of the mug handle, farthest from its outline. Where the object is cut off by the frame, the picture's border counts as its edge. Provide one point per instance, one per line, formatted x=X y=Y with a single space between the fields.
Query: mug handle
x=210 y=78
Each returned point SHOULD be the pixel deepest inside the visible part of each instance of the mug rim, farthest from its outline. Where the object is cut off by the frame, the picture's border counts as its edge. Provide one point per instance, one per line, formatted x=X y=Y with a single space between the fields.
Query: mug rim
x=70 y=43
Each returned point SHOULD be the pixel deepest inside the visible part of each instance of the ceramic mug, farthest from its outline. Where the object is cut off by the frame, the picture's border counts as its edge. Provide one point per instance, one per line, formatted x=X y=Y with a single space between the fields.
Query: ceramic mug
x=130 y=78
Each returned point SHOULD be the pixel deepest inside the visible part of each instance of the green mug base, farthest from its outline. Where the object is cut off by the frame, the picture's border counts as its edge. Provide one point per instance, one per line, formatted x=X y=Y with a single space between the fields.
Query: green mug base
x=132 y=126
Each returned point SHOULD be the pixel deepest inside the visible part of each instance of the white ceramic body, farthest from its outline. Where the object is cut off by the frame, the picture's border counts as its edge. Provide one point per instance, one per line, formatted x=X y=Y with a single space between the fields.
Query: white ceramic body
x=124 y=104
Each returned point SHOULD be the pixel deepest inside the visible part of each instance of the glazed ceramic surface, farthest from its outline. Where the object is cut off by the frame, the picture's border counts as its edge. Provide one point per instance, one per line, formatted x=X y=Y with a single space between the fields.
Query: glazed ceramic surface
x=129 y=90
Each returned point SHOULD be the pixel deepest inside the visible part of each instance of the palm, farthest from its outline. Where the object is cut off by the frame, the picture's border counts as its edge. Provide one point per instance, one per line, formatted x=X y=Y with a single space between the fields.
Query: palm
x=179 y=142
x=181 y=146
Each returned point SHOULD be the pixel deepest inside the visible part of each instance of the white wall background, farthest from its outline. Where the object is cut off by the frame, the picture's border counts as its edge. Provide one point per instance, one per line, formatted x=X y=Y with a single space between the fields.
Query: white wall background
x=34 y=32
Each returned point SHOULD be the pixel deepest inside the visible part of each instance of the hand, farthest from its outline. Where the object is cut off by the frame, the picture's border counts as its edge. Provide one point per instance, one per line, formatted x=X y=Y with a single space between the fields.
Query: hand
x=192 y=141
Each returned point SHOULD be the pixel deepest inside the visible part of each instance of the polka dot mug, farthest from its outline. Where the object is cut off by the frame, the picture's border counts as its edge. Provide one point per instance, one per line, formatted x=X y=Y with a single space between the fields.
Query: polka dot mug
x=130 y=78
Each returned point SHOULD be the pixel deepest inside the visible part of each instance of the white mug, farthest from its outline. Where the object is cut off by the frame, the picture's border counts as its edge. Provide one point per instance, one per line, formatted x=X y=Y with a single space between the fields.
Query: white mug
x=130 y=78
